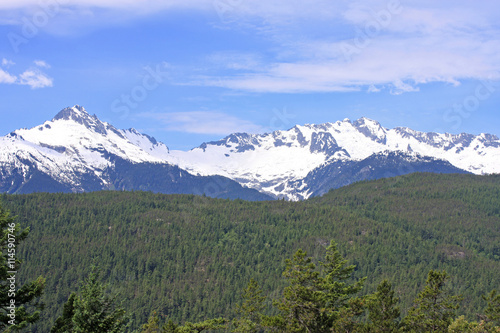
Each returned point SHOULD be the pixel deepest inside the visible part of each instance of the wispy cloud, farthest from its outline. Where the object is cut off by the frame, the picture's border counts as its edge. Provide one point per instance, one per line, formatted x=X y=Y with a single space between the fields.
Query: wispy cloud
x=235 y=60
x=203 y=122
x=402 y=65
x=6 y=77
x=399 y=87
x=32 y=77
x=373 y=89
x=88 y=6
x=57 y=17
x=7 y=63
x=41 y=63
x=35 y=79
x=330 y=46
x=393 y=45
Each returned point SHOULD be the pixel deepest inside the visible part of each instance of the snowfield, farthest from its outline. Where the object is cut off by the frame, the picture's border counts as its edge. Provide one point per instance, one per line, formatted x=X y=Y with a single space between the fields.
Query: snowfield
x=74 y=142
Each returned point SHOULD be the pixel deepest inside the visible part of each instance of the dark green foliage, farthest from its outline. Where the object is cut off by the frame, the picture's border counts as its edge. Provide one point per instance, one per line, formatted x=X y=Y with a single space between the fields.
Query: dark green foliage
x=91 y=311
x=94 y=310
x=206 y=325
x=299 y=307
x=348 y=320
x=250 y=312
x=383 y=309
x=65 y=322
x=492 y=312
x=461 y=325
x=189 y=257
x=153 y=326
x=489 y=320
x=315 y=300
x=434 y=309
x=19 y=306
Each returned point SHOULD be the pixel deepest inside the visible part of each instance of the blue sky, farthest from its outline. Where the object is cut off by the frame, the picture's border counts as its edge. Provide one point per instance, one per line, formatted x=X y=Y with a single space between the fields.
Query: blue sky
x=189 y=71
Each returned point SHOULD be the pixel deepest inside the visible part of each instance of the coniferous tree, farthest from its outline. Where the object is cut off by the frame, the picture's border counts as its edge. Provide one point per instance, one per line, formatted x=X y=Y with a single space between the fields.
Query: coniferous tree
x=250 y=311
x=347 y=320
x=152 y=326
x=492 y=312
x=64 y=323
x=335 y=284
x=209 y=324
x=383 y=309
x=315 y=300
x=164 y=246
x=461 y=325
x=170 y=327
x=434 y=309
x=19 y=307
x=298 y=307
x=93 y=310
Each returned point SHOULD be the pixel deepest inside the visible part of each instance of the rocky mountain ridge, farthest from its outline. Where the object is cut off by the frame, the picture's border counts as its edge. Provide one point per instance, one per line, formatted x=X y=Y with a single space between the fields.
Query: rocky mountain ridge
x=76 y=152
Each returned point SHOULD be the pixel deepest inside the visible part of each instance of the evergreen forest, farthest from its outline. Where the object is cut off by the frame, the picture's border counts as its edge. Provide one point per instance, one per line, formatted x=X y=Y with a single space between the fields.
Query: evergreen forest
x=172 y=259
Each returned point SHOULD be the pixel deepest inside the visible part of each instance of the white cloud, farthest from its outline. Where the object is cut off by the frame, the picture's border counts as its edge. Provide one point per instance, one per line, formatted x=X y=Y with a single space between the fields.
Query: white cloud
x=6 y=77
x=35 y=79
x=290 y=82
x=203 y=122
x=402 y=63
x=32 y=77
x=41 y=63
x=139 y=7
x=415 y=43
x=373 y=89
x=7 y=63
x=399 y=87
x=250 y=7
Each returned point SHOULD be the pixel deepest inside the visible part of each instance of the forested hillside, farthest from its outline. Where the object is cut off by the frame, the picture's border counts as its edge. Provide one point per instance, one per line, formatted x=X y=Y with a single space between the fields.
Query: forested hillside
x=189 y=257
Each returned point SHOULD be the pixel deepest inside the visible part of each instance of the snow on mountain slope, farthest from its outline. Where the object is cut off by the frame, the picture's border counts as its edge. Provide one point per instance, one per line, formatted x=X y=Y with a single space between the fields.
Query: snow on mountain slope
x=83 y=136
x=262 y=161
x=75 y=143
x=270 y=162
x=75 y=147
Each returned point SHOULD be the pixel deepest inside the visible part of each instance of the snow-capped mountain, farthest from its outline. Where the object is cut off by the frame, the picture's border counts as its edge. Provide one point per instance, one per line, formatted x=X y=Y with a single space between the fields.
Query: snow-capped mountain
x=283 y=163
x=77 y=152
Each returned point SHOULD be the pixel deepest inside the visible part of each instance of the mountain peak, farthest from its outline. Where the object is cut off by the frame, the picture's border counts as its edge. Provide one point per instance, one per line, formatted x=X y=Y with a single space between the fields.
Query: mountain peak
x=371 y=129
x=366 y=122
x=79 y=115
x=293 y=163
x=75 y=113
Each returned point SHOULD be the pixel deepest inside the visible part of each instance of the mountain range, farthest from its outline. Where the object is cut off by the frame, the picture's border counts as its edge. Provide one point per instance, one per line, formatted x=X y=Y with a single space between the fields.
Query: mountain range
x=77 y=152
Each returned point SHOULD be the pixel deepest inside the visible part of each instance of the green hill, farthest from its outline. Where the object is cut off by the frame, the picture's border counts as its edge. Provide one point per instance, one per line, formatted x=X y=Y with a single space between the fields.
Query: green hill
x=189 y=257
